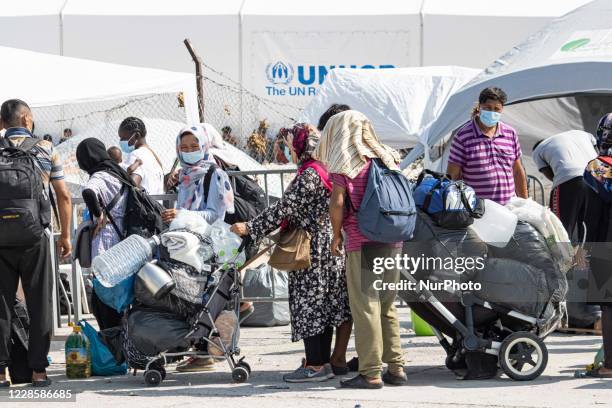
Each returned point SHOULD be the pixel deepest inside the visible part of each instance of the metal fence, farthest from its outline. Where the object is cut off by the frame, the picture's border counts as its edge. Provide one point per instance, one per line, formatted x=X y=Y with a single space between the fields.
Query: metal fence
x=76 y=304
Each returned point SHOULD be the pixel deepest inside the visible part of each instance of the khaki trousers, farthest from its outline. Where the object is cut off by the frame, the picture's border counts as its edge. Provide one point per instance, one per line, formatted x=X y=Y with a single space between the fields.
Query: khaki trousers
x=377 y=334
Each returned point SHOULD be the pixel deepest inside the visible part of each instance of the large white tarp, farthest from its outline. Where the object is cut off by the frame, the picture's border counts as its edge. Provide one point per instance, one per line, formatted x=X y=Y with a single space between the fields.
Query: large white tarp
x=400 y=102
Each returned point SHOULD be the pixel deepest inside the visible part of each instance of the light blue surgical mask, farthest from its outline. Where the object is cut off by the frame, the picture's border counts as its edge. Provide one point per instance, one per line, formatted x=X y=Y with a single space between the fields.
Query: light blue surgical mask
x=287 y=154
x=489 y=118
x=192 y=157
x=125 y=146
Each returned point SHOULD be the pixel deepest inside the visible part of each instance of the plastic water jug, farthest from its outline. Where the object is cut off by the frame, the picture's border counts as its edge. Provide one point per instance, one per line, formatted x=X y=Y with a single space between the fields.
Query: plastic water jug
x=124 y=259
x=496 y=226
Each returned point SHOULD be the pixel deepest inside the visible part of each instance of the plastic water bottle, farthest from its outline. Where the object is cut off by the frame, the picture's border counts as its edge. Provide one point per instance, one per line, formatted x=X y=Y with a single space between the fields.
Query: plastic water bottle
x=124 y=259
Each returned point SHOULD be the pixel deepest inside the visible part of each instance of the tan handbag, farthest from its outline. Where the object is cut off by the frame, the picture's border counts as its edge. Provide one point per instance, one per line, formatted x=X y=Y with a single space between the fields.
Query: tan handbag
x=292 y=250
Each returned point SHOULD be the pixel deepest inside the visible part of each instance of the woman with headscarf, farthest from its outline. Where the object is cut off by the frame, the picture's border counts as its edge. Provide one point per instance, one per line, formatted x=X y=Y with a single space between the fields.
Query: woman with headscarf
x=106 y=178
x=211 y=196
x=204 y=189
x=318 y=298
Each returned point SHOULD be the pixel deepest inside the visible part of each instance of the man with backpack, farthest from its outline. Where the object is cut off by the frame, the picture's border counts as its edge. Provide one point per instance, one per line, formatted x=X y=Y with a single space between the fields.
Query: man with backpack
x=356 y=159
x=27 y=166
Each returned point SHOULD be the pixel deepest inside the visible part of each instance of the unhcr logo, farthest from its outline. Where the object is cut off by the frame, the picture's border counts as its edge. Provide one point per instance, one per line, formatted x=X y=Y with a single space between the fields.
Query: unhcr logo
x=279 y=73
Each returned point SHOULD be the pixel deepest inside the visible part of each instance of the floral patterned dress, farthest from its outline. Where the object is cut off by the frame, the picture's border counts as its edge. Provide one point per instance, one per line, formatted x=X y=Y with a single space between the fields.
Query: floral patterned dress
x=318 y=297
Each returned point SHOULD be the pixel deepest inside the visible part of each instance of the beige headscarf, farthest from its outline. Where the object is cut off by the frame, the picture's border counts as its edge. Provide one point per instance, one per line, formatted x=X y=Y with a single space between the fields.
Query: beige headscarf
x=348 y=140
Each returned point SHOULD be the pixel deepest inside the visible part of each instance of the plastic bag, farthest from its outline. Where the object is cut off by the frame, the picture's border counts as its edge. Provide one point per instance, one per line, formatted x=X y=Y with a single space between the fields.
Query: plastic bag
x=258 y=283
x=103 y=362
x=153 y=331
x=226 y=244
x=169 y=303
x=120 y=296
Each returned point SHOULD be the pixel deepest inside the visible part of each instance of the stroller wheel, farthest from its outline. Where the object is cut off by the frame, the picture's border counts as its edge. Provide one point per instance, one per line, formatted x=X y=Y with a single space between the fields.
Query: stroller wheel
x=240 y=374
x=452 y=365
x=244 y=364
x=523 y=356
x=153 y=377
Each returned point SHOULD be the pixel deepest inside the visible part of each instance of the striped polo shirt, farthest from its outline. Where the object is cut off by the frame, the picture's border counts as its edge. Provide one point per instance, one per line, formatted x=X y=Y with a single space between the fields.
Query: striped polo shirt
x=486 y=163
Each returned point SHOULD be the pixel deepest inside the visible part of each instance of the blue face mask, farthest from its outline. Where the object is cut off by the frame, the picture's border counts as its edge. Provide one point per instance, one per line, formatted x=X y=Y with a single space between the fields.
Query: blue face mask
x=489 y=118
x=192 y=157
x=125 y=146
x=287 y=154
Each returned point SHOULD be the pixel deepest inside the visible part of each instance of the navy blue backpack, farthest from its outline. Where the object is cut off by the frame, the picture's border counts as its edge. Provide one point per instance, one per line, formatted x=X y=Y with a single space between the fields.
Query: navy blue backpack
x=387 y=212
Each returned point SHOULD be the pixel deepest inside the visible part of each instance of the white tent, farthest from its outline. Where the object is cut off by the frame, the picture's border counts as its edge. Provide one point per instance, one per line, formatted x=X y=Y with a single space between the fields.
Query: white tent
x=400 y=102
x=150 y=33
x=558 y=79
x=50 y=80
x=76 y=93
x=32 y=24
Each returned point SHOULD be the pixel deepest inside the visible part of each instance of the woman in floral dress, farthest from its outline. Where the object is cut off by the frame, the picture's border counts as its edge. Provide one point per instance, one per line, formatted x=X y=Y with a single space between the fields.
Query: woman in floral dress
x=318 y=298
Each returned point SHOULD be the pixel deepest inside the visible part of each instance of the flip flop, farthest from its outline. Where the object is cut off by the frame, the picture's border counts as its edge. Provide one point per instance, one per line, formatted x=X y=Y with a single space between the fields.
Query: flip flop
x=597 y=374
x=245 y=314
x=42 y=383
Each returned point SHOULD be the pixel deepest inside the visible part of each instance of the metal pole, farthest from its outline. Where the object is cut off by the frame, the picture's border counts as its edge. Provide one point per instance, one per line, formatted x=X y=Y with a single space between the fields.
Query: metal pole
x=199 y=77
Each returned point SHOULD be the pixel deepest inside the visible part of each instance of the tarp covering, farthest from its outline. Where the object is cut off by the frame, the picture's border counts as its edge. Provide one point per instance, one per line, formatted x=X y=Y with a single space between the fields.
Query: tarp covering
x=558 y=79
x=399 y=102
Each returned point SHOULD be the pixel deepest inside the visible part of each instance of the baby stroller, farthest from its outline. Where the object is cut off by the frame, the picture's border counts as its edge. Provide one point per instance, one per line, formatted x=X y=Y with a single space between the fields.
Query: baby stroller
x=222 y=291
x=502 y=325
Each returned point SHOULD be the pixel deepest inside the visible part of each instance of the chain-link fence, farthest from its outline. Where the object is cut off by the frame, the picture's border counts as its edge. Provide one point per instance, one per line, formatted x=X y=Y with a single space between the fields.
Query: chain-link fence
x=246 y=120
x=163 y=115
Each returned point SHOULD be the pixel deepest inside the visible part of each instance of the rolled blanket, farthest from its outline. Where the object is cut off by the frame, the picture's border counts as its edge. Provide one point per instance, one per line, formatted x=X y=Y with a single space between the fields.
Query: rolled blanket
x=183 y=246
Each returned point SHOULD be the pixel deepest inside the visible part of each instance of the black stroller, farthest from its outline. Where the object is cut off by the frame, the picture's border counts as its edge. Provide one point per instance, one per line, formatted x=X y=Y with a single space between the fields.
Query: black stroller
x=190 y=325
x=503 y=325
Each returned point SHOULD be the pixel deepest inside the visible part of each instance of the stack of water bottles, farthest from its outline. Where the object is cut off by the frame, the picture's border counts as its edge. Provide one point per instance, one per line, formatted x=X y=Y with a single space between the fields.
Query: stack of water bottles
x=153 y=282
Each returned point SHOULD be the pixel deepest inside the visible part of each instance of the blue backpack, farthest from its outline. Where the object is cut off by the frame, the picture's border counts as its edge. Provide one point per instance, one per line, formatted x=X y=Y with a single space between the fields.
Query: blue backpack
x=387 y=212
x=451 y=204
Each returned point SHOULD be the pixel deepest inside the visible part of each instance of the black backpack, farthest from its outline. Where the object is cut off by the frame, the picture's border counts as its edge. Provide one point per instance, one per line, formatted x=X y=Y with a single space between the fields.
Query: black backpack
x=142 y=213
x=249 y=198
x=25 y=205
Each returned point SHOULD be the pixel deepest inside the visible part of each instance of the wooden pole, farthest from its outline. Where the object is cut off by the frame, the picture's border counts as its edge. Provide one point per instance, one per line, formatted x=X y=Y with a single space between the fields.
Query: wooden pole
x=199 y=78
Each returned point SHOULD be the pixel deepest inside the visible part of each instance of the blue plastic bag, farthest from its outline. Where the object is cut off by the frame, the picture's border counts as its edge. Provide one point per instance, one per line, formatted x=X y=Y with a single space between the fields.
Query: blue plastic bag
x=119 y=297
x=102 y=361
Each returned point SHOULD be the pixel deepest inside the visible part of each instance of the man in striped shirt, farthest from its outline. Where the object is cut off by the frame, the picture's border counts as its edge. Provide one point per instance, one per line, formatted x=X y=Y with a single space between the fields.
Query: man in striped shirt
x=486 y=152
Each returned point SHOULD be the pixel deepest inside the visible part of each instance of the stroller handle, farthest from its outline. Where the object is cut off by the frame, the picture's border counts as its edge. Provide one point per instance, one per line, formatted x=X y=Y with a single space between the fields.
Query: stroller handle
x=245 y=241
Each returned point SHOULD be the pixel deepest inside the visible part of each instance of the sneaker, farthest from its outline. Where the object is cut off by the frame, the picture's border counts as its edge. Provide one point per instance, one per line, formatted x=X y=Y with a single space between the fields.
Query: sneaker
x=194 y=364
x=308 y=374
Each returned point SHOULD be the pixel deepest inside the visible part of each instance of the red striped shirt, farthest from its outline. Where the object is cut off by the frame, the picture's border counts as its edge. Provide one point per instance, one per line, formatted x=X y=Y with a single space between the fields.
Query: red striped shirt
x=487 y=163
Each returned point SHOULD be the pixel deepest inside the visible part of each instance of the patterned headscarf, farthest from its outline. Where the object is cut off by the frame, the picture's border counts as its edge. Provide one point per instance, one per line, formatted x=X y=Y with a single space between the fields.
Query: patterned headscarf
x=191 y=177
x=305 y=139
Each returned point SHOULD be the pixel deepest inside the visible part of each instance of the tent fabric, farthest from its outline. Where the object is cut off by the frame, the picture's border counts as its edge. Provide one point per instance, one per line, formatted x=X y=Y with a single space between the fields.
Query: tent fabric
x=571 y=59
x=399 y=102
x=49 y=80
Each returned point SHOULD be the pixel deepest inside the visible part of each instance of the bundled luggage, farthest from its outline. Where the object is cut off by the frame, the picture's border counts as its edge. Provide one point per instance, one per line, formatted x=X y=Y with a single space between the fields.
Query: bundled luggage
x=182 y=299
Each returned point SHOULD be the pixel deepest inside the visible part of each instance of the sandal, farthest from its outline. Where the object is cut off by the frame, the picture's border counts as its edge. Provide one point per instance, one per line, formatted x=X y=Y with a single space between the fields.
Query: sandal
x=597 y=374
x=5 y=384
x=42 y=383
